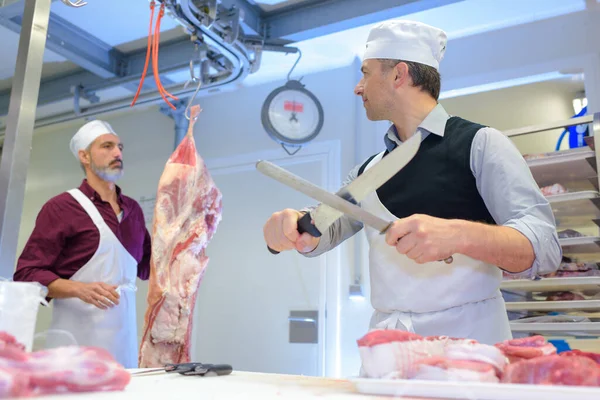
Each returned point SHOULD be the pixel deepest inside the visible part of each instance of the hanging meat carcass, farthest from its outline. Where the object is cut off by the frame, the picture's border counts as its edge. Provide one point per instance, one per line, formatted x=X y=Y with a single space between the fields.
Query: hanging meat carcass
x=186 y=215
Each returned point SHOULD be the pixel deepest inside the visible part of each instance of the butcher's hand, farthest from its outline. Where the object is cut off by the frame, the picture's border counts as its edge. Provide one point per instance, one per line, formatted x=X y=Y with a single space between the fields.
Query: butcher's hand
x=99 y=294
x=281 y=232
x=424 y=238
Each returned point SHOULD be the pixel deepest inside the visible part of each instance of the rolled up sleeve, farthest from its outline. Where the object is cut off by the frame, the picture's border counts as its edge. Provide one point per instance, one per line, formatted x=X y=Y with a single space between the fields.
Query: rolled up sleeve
x=36 y=263
x=514 y=199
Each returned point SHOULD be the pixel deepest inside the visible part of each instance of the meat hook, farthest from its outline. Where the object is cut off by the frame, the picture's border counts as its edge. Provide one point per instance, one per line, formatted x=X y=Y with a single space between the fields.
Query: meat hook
x=296 y=63
x=74 y=3
x=187 y=109
x=197 y=56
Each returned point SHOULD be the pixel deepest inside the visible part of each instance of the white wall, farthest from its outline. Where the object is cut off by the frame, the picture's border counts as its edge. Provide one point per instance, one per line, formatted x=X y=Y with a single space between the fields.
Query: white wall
x=521 y=106
x=566 y=43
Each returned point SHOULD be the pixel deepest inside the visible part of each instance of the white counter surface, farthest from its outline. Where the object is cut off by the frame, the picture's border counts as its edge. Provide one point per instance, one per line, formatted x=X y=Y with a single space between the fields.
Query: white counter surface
x=249 y=385
x=237 y=385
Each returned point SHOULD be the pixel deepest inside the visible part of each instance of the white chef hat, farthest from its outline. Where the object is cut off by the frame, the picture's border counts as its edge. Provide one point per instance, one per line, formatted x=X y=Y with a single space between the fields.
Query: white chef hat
x=87 y=134
x=408 y=41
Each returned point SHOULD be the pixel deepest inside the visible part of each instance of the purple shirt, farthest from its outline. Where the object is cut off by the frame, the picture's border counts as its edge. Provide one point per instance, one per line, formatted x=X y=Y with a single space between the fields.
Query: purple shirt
x=65 y=238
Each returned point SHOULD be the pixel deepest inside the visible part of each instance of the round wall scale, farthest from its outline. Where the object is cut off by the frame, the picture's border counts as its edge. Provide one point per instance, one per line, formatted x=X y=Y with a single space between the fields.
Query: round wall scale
x=292 y=115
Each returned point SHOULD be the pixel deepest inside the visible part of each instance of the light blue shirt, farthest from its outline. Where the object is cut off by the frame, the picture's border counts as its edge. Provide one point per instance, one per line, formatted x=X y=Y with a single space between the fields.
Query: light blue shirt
x=504 y=182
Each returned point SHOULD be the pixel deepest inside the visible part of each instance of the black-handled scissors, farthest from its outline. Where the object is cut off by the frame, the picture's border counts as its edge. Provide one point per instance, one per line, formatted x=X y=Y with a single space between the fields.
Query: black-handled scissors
x=195 y=368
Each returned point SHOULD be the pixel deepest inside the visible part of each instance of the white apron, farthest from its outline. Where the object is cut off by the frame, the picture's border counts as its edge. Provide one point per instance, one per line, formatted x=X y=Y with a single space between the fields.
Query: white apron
x=115 y=328
x=461 y=299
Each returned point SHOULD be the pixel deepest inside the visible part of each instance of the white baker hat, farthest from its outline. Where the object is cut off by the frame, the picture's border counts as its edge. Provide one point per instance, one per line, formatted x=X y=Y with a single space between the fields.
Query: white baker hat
x=408 y=41
x=87 y=134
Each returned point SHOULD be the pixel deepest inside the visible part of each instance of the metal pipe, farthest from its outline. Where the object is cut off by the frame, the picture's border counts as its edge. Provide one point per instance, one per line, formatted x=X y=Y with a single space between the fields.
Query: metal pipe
x=235 y=55
x=149 y=98
x=586 y=119
x=19 y=128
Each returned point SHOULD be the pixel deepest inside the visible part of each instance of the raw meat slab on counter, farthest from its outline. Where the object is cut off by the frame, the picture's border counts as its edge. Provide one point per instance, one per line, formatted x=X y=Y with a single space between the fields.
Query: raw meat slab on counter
x=58 y=370
x=394 y=354
x=186 y=216
x=554 y=370
x=526 y=348
x=593 y=356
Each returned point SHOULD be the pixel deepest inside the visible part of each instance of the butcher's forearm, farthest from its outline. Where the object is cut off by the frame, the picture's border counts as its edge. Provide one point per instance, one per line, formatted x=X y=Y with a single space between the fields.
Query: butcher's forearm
x=62 y=289
x=505 y=247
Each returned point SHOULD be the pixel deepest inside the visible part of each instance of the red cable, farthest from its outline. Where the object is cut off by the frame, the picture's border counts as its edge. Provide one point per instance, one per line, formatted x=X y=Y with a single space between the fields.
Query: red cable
x=148 y=50
x=157 y=45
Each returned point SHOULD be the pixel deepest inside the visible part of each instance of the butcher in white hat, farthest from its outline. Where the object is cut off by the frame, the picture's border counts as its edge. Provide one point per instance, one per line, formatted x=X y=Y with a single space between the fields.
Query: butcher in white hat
x=88 y=246
x=467 y=194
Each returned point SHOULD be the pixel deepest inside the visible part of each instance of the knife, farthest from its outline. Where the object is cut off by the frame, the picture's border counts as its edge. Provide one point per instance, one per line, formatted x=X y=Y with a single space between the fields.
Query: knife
x=332 y=200
x=369 y=181
x=189 y=369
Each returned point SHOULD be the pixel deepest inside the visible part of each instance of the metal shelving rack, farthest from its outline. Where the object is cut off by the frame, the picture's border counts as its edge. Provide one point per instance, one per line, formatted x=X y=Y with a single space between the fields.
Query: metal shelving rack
x=576 y=170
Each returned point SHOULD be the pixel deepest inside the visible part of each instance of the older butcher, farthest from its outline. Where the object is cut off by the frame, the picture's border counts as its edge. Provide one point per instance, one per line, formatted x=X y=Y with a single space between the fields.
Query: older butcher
x=88 y=246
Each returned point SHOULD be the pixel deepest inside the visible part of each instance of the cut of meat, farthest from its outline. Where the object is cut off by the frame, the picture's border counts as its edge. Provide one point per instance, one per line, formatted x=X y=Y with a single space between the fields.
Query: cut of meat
x=557 y=188
x=10 y=348
x=377 y=336
x=393 y=354
x=571 y=266
x=554 y=370
x=75 y=369
x=526 y=348
x=465 y=362
x=446 y=369
x=13 y=383
x=564 y=274
x=58 y=370
x=482 y=353
x=187 y=213
x=564 y=296
x=579 y=353
x=569 y=233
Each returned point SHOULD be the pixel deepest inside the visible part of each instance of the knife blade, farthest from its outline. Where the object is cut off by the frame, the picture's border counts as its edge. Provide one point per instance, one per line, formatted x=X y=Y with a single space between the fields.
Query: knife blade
x=325 y=197
x=369 y=181
x=321 y=195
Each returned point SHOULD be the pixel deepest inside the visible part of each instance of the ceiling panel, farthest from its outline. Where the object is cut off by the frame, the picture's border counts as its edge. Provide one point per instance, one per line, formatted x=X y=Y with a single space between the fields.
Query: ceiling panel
x=9 y=45
x=276 y=5
x=113 y=21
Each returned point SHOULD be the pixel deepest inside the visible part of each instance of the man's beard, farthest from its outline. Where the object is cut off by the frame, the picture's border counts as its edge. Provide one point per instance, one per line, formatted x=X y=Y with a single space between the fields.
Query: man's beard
x=107 y=173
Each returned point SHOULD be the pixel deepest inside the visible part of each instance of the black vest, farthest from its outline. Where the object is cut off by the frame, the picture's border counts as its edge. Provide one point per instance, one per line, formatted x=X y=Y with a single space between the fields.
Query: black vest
x=438 y=181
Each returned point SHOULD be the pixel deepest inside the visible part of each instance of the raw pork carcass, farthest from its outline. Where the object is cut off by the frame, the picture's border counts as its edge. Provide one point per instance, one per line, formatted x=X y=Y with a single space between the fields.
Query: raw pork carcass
x=393 y=354
x=554 y=370
x=186 y=215
x=526 y=348
x=579 y=353
x=58 y=370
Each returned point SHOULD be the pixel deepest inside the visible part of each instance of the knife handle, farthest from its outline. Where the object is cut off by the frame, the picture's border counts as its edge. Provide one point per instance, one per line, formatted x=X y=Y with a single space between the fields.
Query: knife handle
x=304 y=225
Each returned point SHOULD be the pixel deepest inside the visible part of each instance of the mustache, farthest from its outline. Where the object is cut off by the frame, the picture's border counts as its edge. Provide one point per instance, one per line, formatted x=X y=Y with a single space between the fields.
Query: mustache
x=119 y=161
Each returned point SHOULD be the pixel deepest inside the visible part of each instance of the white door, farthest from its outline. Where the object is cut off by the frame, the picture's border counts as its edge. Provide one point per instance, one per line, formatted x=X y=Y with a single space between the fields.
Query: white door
x=247 y=295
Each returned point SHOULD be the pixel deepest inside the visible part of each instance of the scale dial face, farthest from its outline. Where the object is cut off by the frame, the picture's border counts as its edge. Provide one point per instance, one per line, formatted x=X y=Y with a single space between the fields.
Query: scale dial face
x=292 y=115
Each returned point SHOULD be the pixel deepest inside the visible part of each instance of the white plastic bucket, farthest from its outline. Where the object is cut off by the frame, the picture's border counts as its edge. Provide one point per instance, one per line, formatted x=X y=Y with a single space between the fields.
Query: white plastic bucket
x=19 y=305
